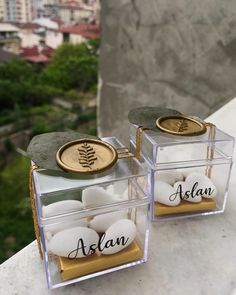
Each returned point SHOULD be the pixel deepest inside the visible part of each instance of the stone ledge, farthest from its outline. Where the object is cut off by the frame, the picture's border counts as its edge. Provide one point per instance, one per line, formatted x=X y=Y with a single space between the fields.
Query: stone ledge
x=192 y=256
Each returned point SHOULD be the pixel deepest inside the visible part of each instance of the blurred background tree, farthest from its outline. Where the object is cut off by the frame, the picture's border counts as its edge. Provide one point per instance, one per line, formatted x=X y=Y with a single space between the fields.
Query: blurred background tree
x=73 y=66
x=34 y=100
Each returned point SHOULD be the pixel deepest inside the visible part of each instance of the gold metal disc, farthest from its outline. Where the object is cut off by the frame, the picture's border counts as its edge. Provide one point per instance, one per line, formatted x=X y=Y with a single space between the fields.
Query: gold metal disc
x=180 y=125
x=86 y=156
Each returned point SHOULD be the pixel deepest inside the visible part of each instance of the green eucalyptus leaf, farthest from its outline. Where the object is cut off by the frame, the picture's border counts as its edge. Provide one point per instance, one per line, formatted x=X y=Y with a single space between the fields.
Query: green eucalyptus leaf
x=147 y=116
x=42 y=148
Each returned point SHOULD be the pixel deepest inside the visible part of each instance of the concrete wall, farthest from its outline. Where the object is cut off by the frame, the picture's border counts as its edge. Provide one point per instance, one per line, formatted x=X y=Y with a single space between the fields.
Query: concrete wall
x=29 y=39
x=180 y=54
x=53 y=39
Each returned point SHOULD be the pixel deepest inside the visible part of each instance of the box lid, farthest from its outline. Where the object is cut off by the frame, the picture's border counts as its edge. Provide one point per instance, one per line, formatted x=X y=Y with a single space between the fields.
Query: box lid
x=162 y=149
x=54 y=186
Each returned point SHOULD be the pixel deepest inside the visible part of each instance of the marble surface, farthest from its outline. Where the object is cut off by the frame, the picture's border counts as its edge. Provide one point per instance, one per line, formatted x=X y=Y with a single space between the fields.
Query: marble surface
x=191 y=256
x=164 y=52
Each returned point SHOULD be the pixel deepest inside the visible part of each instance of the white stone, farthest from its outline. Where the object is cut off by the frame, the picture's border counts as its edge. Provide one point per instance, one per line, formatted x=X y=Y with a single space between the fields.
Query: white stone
x=61 y=207
x=204 y=183
x=56 y=227
x=66 y=241
x=123 y=196
x=97 y=196
x=170 y=176
x=122 y=229
x=101 y=223
x=110 y=189
x=186 y=172
x=163 y=192
x=185 y=189
x=118 y=193
x=120 y=186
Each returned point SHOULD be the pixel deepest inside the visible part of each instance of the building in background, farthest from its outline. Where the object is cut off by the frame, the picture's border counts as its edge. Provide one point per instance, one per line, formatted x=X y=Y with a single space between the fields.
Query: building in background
x=40 y=55
x=72 y=34
x=9 y=38
x=47 y=23
x=9 y=10
x=74 y=21
x=37 y=8
x=2 y=9
x=30 y=34
x=73 y=11
x=69 y=11
x=16 y=10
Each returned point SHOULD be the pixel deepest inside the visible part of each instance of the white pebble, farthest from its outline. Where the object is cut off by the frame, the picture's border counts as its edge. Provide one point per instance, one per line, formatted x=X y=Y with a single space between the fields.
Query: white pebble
x=102 y=222
x=203 y=185
x=186 y=172
x=170 y=176
x=97 y=196
x=165 y=194
x=65 y=243
x=121 y=234
x=121 y=194
x=110 y=189
x=61 y=207
x=56 y=227
x=184 y=190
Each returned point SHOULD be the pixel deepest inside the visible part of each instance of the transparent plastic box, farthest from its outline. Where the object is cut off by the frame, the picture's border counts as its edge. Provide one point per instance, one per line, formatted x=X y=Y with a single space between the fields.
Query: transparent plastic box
x=93 y=224
x=189 y=175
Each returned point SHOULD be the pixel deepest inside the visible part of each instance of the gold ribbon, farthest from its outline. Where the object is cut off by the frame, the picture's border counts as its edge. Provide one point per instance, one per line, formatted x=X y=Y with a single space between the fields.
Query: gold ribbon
x=33 y=207
x=210 y=147
x=124 y=153
x=139 y=135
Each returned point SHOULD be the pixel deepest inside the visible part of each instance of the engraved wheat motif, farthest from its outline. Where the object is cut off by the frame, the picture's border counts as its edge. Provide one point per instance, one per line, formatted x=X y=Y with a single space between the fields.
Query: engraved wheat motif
x=87 y=155
x=182 y=125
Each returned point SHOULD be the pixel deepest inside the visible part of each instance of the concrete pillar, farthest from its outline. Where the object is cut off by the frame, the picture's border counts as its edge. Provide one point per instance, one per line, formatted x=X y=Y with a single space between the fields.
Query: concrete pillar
x=180 y=54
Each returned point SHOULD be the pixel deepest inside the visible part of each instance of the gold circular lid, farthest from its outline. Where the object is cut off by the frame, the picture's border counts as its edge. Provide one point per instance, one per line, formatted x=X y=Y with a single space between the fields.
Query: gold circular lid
x=180 y=125
x=86 y=156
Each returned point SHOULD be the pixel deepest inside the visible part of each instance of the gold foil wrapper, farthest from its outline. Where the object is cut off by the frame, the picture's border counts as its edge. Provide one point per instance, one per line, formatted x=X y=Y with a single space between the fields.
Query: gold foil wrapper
x=72 y=268
x=184 y=207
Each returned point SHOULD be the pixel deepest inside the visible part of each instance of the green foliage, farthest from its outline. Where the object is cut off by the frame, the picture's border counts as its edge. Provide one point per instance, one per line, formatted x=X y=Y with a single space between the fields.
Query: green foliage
x=19 y=86
x=23 y=93
x=9 y=146
x=17 y=71
x=6 y=95
x=40 y=110
x=6 y=117
x=26 y=97
x=72 y=67
x=86 y=117
x=16 y=225
x=67 y=49
x=40 y=127
x=52 y=91
x=48 y=113
x=48 y=118
x=93 y=131
x=73 y=95
x=94 y=45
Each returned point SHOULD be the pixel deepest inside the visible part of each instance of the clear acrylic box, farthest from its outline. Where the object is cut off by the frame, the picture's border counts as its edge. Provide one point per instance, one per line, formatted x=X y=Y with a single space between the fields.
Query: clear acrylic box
x=189 y=175
x=93 y=224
